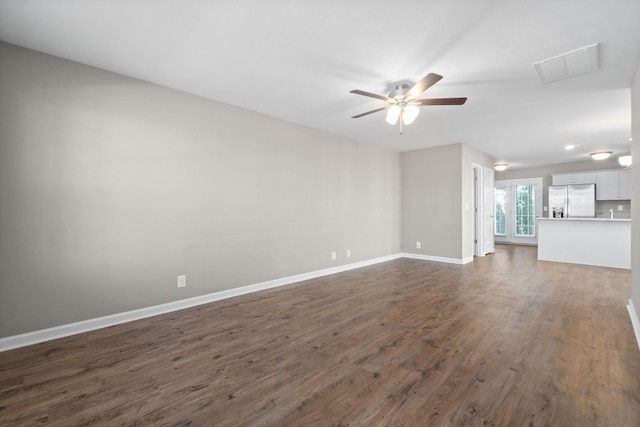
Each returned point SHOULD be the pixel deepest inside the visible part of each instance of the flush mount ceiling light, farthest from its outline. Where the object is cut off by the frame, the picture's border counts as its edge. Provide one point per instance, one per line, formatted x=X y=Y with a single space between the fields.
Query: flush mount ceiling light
x=625 y=161
x=500 y=166
x=601 y=155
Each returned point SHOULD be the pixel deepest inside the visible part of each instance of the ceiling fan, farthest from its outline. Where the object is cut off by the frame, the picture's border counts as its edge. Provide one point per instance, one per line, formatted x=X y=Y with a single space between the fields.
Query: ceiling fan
x=403 y=100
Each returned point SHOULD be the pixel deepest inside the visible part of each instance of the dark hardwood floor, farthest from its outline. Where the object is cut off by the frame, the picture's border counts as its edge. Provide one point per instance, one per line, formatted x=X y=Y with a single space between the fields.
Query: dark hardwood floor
x=504 y=341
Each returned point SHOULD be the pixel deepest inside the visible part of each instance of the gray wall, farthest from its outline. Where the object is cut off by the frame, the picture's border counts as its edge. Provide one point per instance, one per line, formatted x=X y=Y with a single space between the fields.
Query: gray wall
x=545 y=172
x=436 y=186
x=111 y=187
x=635 y=213
x=431 y=210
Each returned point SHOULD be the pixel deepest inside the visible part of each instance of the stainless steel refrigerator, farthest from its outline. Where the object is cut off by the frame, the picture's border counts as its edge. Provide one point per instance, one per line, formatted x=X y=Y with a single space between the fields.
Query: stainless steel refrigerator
x=572 y=201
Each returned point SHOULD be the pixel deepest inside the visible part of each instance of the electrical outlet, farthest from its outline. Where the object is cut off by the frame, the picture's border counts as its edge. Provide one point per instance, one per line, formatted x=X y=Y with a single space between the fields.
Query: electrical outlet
x=333 y=256
x=620 y=207
x=348 y=253
x=182 y=281
x=418 y=245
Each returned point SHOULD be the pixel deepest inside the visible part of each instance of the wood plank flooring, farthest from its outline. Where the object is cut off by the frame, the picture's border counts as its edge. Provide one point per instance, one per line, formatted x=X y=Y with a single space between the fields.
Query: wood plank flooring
x=504 y=341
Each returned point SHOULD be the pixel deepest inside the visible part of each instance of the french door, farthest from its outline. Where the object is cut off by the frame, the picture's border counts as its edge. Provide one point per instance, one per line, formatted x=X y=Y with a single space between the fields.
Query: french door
x=518 y=204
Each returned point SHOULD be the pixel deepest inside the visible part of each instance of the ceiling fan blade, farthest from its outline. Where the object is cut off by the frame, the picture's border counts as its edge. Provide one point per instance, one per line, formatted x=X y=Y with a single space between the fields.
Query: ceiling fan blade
x=424 y=84
x=369 y=112
x=439 y=101
x=372 y=95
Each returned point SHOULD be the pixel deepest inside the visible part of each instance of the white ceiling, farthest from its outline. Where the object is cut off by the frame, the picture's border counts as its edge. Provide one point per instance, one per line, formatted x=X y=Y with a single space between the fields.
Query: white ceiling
x=297 y=60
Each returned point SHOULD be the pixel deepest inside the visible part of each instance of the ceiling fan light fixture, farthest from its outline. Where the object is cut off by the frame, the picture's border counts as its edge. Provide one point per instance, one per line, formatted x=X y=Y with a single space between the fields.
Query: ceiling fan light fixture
x=601 y=155
x=392 y=114
x=409 y=114
x=403 y=102
x=500 y=166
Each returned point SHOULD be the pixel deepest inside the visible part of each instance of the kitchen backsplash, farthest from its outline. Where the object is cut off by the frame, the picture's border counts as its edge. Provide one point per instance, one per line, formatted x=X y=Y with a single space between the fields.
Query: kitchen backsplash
x=603 y=208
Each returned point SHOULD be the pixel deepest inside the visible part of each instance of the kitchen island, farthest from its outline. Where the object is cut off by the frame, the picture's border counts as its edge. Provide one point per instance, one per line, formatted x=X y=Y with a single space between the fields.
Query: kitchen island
x=592 y=241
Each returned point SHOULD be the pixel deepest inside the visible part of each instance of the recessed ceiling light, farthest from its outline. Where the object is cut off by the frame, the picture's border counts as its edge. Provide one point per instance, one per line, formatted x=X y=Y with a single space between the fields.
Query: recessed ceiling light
x=570 y=147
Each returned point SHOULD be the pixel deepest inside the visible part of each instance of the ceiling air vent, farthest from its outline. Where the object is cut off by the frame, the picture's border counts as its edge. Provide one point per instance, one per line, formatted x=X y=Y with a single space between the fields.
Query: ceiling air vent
x=579 y=61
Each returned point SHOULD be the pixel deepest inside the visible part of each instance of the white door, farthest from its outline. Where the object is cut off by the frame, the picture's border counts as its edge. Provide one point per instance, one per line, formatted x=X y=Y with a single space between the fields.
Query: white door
x=488 y=211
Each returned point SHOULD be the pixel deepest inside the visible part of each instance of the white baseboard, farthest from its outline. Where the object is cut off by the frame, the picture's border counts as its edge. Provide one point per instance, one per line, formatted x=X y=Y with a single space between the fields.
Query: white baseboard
x=634 y=320
x=438 y=258
x=42 y=335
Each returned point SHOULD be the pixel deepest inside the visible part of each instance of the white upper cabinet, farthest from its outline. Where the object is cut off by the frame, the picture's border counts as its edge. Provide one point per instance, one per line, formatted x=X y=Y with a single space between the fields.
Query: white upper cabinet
x=574 y=178
x=625 y=184
x=613 y=185
x=607 y=185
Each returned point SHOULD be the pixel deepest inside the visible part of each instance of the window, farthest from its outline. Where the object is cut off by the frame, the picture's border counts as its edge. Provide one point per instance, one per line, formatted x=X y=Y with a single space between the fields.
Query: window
x=501 y=210
x=525 y=211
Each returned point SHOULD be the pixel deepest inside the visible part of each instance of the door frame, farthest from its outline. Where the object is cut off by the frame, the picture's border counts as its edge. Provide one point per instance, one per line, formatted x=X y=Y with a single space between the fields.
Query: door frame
x=488 y=213
x=479 y=235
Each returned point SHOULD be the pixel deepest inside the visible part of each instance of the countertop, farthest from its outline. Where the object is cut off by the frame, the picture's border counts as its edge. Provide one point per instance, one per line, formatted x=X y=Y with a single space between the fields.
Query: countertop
x=586 y=219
